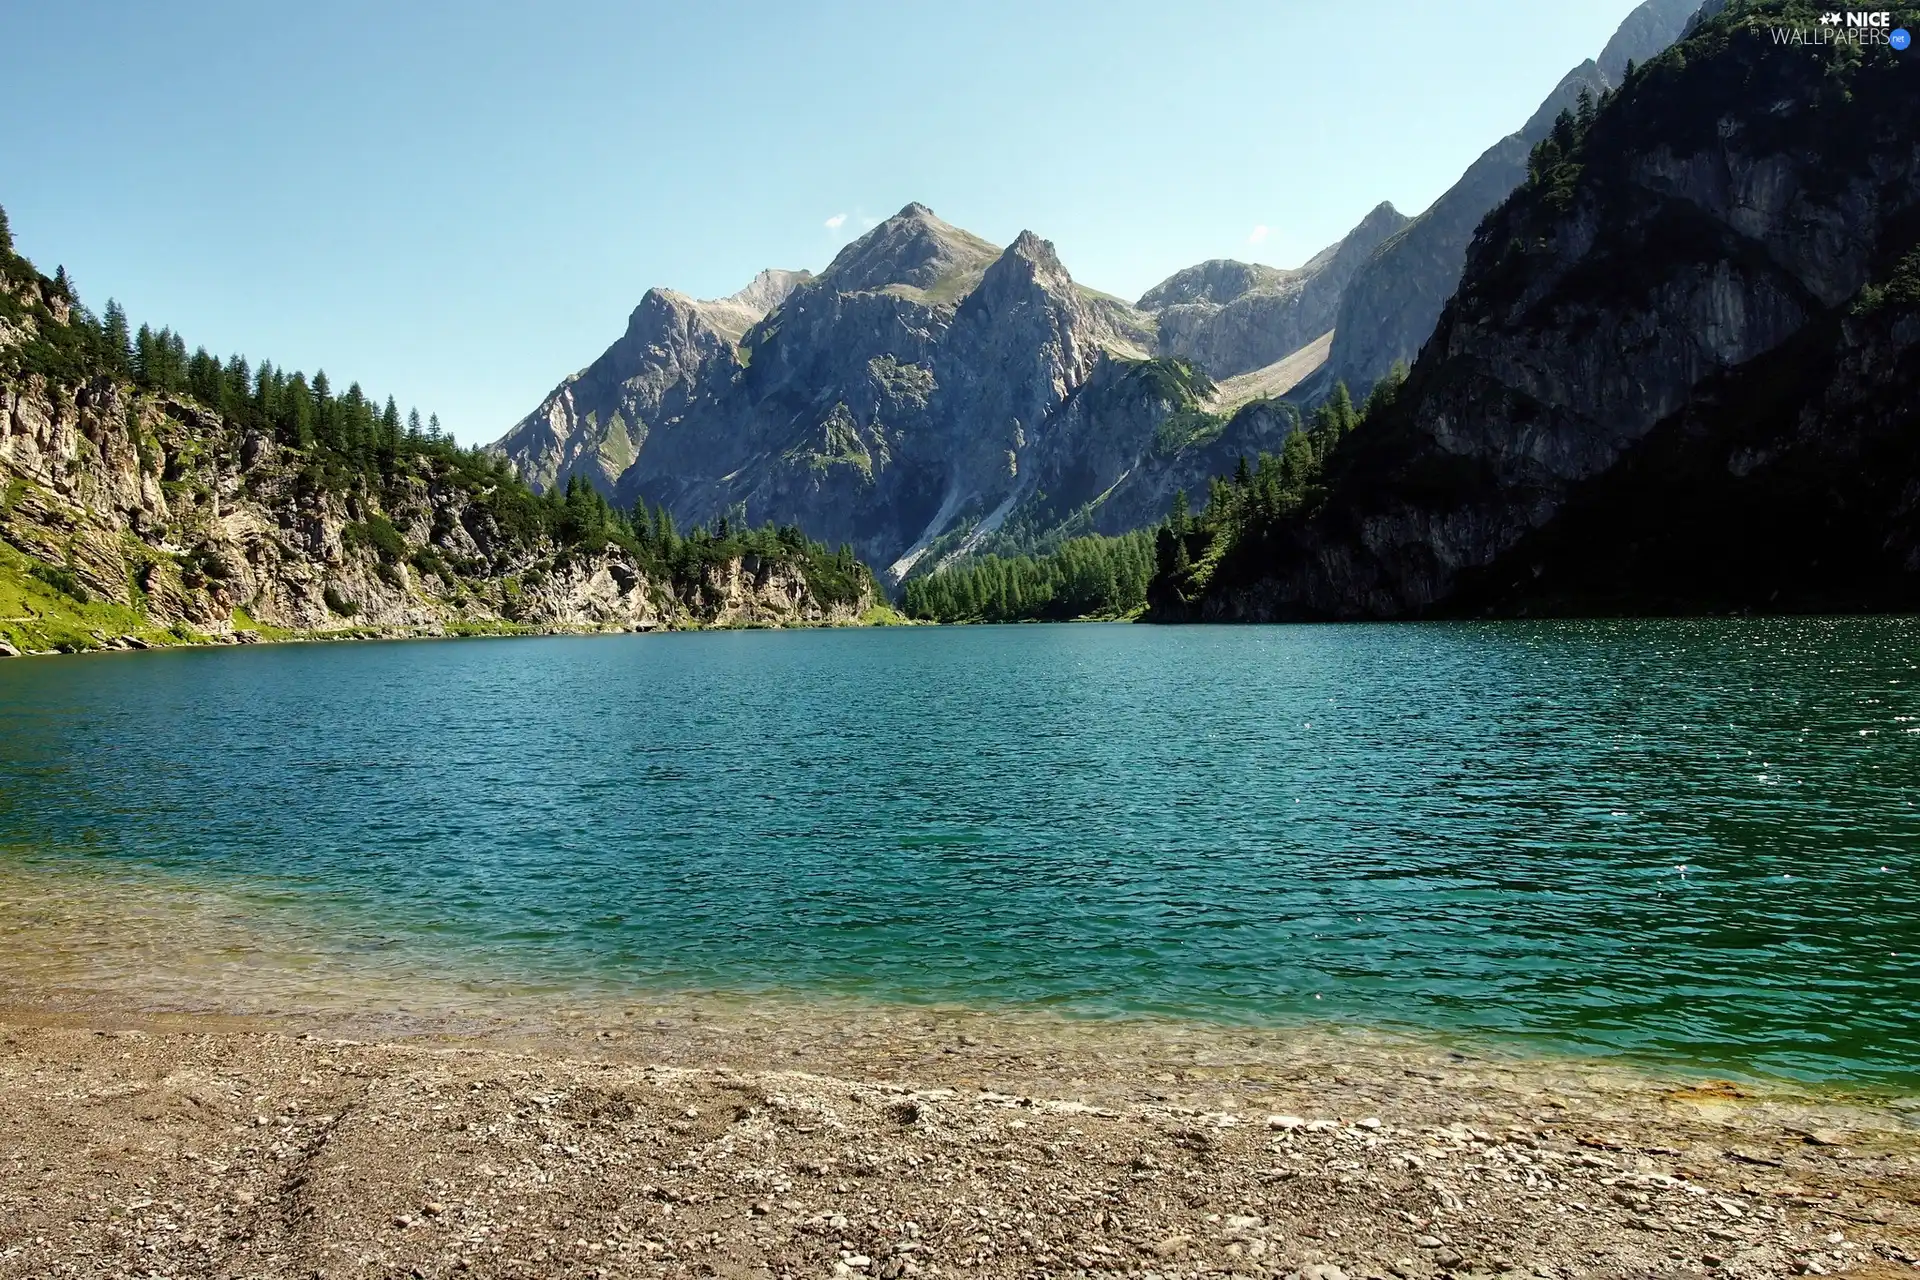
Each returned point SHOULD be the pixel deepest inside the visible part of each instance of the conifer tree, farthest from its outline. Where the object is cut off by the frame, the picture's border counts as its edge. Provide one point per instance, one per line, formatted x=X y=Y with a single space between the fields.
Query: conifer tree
x=145 y=368
x=119 y=344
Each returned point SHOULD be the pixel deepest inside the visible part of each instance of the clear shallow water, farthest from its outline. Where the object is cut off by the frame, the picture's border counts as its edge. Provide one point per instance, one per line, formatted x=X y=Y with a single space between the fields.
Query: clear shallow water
x=1475 y=828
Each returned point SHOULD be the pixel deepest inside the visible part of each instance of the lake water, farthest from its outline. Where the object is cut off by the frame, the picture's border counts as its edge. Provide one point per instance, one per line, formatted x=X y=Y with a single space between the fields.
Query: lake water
x=1686 y=841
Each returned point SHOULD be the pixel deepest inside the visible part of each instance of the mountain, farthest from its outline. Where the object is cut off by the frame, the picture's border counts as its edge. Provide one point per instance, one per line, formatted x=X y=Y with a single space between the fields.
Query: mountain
x=1234 y=317
x=932 y=392
x=595 y=422
x=1390 y=306
x=1677 y=375
x=148 y=497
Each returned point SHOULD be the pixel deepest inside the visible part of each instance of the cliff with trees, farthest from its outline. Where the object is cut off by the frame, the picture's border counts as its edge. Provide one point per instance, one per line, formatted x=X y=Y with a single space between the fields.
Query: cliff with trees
x=149 y=495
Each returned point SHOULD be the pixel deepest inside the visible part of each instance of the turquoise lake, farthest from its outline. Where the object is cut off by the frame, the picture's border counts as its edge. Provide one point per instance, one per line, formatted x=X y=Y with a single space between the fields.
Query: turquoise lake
x=1692 y=842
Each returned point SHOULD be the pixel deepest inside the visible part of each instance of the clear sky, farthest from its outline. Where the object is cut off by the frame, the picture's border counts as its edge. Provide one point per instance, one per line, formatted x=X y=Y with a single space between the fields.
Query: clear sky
x=458 y=204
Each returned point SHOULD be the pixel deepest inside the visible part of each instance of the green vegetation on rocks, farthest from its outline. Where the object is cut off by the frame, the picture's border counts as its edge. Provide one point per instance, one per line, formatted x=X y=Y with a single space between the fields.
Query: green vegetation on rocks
x=1084 y=578
x=151 y=495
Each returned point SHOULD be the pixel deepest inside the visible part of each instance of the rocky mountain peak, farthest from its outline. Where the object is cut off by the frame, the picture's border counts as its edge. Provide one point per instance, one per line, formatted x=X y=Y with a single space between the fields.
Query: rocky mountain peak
x=1027 y=265
x=913 y=249
x=1644 y=33
x=1217 y=280
x=1382 y=217
x=768 y=289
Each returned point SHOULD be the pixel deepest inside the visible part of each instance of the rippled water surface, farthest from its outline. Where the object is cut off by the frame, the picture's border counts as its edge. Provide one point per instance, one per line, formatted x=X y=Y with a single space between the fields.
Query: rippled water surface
x=1689 y=840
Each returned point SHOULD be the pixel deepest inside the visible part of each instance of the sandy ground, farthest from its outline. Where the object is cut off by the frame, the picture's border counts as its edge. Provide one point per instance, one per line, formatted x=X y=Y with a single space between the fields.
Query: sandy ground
x=739 y=1142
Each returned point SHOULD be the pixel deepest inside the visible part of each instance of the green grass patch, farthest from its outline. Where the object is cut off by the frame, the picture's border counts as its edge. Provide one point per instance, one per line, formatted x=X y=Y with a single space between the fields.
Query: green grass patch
x=37 y=615
x=884 y=615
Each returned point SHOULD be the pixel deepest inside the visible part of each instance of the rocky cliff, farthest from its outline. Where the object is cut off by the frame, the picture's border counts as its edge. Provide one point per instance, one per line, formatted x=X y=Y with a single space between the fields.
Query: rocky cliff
x=1234 y=317
x=927 y=386
x=130 y=518
x=1393 y=300
x=1678 y=372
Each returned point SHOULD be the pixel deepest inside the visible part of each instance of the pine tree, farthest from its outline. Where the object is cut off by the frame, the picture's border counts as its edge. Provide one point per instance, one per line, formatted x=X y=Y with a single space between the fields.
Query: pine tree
x=145 y=356
x=6 y=234
x=237 y=383
x=390 y=428
x=119 y=344
x=413 y=424
x=1340 y=407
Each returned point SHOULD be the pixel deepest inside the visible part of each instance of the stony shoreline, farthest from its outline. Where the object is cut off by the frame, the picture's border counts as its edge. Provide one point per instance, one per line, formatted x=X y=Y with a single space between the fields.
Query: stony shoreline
x=128 y=643
x=693 y=1139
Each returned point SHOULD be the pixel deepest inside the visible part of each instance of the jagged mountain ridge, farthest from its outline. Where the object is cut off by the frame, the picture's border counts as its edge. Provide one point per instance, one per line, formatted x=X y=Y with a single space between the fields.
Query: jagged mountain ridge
x=1677 y=375
x=919 y=383
x=1233 y=317
x=849 y=402
x=1393 y=300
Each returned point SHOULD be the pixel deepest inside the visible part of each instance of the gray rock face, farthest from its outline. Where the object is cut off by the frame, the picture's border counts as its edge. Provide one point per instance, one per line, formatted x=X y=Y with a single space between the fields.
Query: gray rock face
x=157 y=505
x=925 y=380
x=1234 y=317
x=1394 y=299
x=595 y=422
x=1707 y=232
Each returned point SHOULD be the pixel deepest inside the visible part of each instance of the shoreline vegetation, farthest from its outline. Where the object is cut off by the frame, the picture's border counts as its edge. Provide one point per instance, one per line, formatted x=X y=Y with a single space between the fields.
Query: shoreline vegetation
x=123 y=634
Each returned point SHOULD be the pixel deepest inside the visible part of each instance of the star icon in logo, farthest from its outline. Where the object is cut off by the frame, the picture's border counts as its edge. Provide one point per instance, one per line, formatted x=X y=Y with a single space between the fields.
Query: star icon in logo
x=1829 y=19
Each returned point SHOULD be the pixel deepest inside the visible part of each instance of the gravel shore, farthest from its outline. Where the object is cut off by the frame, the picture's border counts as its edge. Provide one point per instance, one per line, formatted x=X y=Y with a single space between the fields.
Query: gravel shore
x=682 y=1141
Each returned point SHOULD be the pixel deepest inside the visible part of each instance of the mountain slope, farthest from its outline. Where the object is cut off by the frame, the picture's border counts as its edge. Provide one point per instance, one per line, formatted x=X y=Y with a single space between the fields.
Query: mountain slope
x=148 y=497
x=1678 y=372
x=924 y=387
x=1234 y=317
x=1394 y=299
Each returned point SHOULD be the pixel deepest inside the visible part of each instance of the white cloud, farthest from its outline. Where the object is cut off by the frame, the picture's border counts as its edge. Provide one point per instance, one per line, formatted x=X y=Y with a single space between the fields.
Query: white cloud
x=868 y=220
x=1258 y=234
x=836 y=221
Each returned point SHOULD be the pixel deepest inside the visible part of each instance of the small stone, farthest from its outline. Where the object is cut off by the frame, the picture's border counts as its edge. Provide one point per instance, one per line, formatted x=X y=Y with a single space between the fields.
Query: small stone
x=1322 y=1271
x=1172 y=1246
x=691 y=1113
x=1427 y=1242
x=433 y=1208
x=1449 y=1258
x=1825 y=1138
x=838 y=1222
x=1405 y=1268
x=1285 y=1122
x=761 y=1208
x=402 y=1220
x=859 y=1262
x=1371 y=1122
x=1712 y=1260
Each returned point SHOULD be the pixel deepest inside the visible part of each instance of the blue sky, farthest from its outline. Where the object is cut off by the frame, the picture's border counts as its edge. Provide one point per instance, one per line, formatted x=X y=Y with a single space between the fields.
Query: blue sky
x=458 y=204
